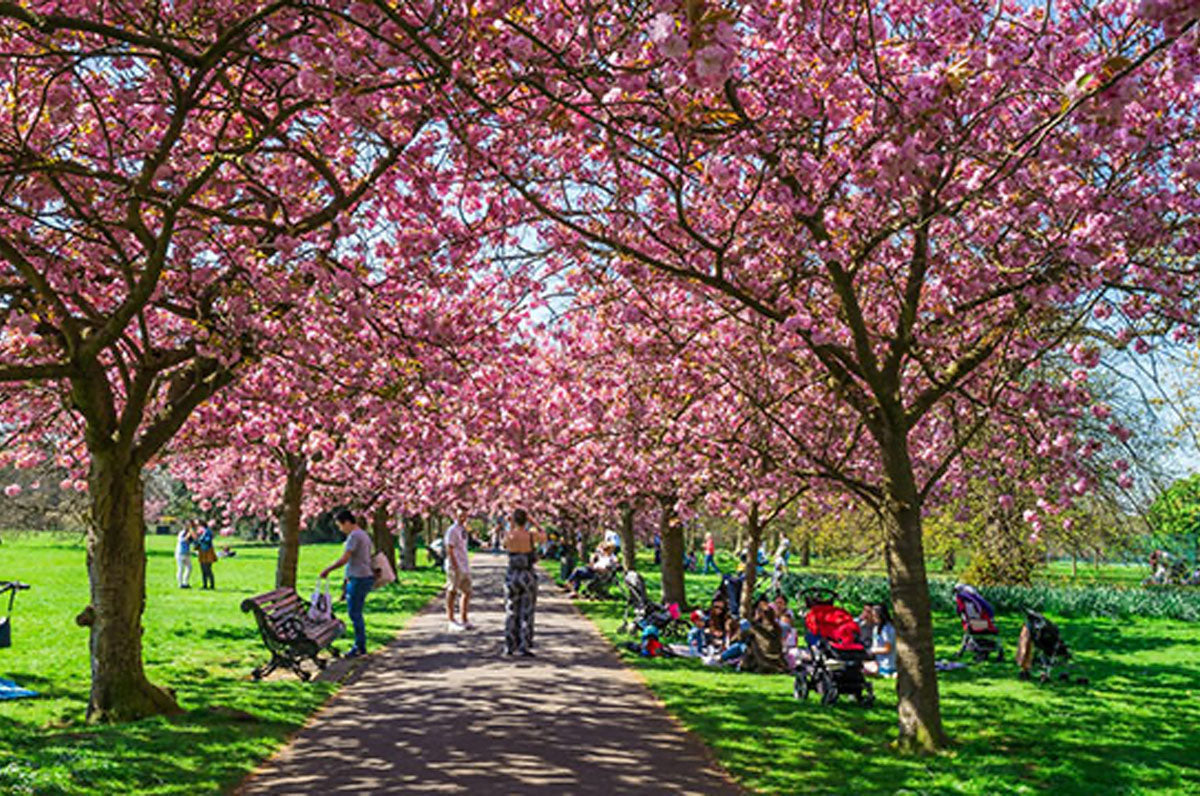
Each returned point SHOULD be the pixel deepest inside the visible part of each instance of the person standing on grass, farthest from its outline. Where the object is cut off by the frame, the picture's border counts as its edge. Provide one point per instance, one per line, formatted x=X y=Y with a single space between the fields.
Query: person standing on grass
x=183 y=556
x=356 y=557
x=710 y=551
x=520 y=586
x=458 y=573
x=207 y=556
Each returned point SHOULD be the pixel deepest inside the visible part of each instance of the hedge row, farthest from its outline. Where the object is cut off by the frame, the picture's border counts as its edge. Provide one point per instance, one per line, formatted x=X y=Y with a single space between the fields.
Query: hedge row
x=1068 y=601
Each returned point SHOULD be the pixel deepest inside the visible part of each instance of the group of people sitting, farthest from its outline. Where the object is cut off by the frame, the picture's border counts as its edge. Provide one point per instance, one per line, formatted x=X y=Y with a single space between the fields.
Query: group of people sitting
x=770 y=641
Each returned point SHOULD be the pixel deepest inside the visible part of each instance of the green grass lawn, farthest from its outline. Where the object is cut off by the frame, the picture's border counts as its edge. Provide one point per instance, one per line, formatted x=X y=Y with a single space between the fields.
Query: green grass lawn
x=1134 y=729
x=198 y=643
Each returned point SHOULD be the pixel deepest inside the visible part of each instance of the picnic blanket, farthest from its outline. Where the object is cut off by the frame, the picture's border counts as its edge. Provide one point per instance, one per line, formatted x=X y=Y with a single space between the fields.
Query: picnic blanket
x=949 y=666
x=10 y=690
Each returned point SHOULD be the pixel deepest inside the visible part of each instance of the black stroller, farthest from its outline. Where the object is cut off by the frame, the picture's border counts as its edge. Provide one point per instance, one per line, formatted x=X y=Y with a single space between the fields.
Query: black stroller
x=833 y=663
x=1049 y=650
x=641 y=611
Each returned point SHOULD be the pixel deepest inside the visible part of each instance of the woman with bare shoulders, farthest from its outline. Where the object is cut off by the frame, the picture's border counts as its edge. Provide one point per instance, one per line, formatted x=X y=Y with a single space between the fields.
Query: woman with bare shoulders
x=520 y=585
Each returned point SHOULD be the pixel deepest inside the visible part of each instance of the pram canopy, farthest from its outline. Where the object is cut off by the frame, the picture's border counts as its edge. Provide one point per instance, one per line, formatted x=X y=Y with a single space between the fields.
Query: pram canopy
x=832 y=623
x=975 y=612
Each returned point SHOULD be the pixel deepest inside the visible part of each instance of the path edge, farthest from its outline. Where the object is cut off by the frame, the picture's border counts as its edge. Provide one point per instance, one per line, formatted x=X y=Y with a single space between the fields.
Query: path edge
x=240 y=786
x=610 y=650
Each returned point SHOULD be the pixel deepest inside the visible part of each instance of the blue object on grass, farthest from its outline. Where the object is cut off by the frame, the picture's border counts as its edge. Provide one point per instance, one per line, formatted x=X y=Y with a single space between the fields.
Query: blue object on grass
x=10 y=690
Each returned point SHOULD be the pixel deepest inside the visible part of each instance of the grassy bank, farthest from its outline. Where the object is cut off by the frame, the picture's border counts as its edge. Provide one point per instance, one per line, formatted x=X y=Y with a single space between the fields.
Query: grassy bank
x=1134 y=729
x=198 y=643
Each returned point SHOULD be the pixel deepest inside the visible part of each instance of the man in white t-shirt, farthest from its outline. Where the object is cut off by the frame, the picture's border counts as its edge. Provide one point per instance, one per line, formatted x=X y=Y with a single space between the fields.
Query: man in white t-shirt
x=458 y=573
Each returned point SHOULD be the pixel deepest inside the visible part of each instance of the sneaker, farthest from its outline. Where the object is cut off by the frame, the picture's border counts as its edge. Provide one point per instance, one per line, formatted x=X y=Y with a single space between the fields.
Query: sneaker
x=467 y=626
x=453 y=627
x=354 y=653
x=527 y=654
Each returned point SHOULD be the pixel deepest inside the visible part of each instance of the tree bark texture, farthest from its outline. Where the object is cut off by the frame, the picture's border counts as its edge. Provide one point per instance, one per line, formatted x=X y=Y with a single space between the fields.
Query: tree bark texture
x=381 y=535
x=671 y=532
x=754 y=534
x=918 y=704
x=289 y=521
x=628 y=543
x=408 y=552
x=117 y=574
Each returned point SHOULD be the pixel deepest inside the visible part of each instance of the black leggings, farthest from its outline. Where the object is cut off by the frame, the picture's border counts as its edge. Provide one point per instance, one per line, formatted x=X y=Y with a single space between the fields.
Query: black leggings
x=208 y=582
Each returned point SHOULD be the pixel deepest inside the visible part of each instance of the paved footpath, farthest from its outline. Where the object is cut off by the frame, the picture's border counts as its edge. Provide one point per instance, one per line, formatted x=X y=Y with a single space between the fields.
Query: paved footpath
x=441 y=712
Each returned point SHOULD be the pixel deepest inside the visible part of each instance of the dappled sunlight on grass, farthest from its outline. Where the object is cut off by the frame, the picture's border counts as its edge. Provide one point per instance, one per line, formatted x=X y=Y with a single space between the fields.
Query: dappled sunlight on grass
x=197 y=643
x=1134 y=729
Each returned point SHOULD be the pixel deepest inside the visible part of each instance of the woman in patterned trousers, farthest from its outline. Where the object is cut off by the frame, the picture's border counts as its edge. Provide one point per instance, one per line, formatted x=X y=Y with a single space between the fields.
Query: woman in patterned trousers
x=520 y=586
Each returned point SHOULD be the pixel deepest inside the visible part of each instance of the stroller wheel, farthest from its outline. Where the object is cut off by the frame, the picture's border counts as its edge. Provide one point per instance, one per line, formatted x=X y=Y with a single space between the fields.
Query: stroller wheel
x=800 y=687
x=827 y=689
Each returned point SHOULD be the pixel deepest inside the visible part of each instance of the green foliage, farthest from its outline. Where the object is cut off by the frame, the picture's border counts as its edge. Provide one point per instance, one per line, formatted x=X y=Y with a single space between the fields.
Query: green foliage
x=1069 y=601
x=1132 y=731
x=1174 y=517
x=198 y=643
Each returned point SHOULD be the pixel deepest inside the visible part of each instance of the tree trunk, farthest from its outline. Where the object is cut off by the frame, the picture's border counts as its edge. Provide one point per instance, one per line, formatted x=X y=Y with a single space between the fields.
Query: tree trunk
x=1074 y=565
x=628 y=543
x=754 y=534
x=289 y=521
x=117 y=573
x=382 y=535
x=672 y=555
x=919 y=708
x=408 y=553
x=949 y=560
x=806 y=551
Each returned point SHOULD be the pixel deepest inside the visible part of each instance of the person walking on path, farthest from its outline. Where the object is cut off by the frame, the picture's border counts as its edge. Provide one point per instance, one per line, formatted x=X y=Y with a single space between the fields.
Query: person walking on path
x=183 y=556
x=356 y=557
x=520 y=586
x=207 y=556
x=458 y=573
x=710 y=551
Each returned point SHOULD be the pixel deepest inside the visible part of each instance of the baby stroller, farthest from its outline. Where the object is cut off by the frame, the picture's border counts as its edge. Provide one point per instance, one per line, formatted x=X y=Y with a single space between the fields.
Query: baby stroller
x=833 y=664
x=641 y=612
x=980 y=636
x=1049 y=649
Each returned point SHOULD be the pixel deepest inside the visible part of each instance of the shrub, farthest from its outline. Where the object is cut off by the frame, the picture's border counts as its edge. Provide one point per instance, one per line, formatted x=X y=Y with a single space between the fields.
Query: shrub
x=1067 y=601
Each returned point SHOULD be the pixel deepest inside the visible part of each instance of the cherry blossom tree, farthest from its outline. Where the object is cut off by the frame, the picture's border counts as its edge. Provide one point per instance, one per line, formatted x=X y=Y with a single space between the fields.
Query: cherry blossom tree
x=174 y=180
x=925 y=198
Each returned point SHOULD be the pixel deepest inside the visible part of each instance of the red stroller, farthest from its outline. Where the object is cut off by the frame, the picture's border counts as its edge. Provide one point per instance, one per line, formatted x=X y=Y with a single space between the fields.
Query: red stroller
x=833 y=664
x=980 y=635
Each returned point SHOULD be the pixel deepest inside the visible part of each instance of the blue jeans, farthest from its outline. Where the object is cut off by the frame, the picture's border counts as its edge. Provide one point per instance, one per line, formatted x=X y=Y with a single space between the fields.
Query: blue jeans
x=356 y=595
x=710 y=564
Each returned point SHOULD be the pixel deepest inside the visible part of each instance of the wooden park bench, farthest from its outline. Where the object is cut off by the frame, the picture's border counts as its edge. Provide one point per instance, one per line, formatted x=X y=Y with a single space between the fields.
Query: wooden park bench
x=287 y=632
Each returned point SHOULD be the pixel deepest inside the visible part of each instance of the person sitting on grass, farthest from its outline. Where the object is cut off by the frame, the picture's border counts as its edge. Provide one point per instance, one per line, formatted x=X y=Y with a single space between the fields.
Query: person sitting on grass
x=603 y=560
x=764 y=642
x=697 y=639
x=787 y=626
x=718 y=618
x=736 y=641
x=866 y=624
x=883 y=644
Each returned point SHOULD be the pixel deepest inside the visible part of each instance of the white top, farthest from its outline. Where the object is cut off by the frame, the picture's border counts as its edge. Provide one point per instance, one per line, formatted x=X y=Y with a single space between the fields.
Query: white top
x=605 y=562
x=456 y=547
